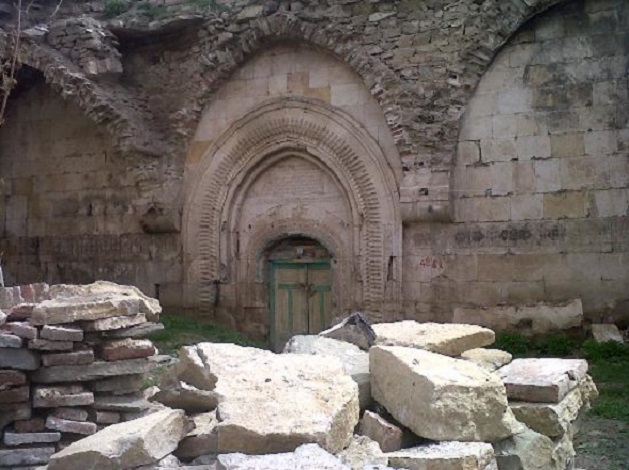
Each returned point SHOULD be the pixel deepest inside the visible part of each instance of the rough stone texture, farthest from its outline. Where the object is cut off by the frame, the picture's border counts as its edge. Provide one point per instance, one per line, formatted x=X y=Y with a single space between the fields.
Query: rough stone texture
x=61 y=333
x=10 y=341
x=71 y=359
x=72 y=414
x=273 y=403
x=72 y=309
x=16 y=439
x=305 y=457
x=534 y=319
x=354 y=360
x=606 y=332
x=21 y=329
x=438 y=397
x=70 y=426
x=11 y=378
x=488 y=359
x=114 y=323
x=526 y=450
x=361 y=452
x=30 y=425
x=125 y=445
x=447 y=339
x=24 y=457
x=14 y=412
x=126 y=403
x=542 y=380
x=188 y=398
x=21 y=359
x=446 y=456
x=387 y=435
x=59 y=396
x=15 y=395
x=90 y=372
x=354 y=329
x=126 y=349
x=555 y=420
x=138 y=331
x=48 y=345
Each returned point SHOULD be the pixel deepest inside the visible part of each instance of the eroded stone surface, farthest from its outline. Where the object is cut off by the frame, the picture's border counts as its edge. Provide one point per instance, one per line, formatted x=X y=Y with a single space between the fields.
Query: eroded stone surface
x=361 y=452
x=448 y=339
x=93 y=371
x=305 y=457
x=273 y=403
x=186 y=397
x=125 y=445
x=438 y=397
x=354 y=360
x=116 y=350
x=203 y=439
x=542 y=380
x=526 y=450
x=606 y=332
x=387 y=435
x=450 y=455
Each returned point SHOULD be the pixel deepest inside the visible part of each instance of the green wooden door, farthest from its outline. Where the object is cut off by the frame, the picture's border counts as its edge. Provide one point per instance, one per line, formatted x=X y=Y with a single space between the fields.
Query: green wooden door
x=300 y=299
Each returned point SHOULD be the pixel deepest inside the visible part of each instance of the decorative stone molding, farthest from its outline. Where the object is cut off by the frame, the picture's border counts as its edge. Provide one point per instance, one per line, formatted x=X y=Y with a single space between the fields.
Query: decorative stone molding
x=323 y=133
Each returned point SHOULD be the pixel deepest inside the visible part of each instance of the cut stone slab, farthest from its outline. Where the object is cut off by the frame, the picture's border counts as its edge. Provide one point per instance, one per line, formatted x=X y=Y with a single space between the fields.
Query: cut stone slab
x=10 y=341
x=48 y=345
x=540 y=318
x=447 y=339
x=124 y=384
x=60 y=310
x=554 y=420
x=438 y=397
x=118 y=349
x=97 y=370
x=543 y=380
x=188 y=398
x=138 y=331
x=25 y=457
x=11 y=378
x=125 y=445
x=21 y=329
x=113 y=323
x=147 y=305
x=61 y=395
x=15 y=395
x=202 y=439
x=452 y=455
x=82 y=357
x=17 y=439
x=488 y=359
x=61 y=333
x=107 y=417
x=72 y=414
x=305 y=457
x=606 y=332
x=361 y=452
x=354 y=329
x=67 y=425
x=20 y=359
x=125 y=404
x=274 y=402
x=355 y=361
x=387 y=435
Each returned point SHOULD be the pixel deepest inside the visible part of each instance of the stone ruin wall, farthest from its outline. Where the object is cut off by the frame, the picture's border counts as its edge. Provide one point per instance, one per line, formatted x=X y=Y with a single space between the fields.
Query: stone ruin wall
x=537 y=190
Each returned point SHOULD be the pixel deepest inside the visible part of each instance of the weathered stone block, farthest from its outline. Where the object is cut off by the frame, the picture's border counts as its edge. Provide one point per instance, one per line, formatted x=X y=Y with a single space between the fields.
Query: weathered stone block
x=71 y=414
x=11 y=378
x=71 y=309
x=74 y=427
x=447 y=456
x=305 y=457
x=15 y=395
x=387 y=435
x=97 y=370
x=21 y=359
x=16 y=439
x=116 y=350
x=61 y=395
x=448 y=339
x=126 y=404
x=600 y=332
x=438 y=397
x=10 y=341
x=48 y=345
x=488 y=359
x=203 y=439
x=25 y=457
x=82 y=357
x=61 y=333
x=32 y=425
x=21 y=329
x=542 y=380
x=113 y=323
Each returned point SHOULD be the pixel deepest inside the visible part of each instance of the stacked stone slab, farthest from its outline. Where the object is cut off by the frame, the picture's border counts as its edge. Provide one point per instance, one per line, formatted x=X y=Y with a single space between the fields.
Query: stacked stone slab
x=71 y=362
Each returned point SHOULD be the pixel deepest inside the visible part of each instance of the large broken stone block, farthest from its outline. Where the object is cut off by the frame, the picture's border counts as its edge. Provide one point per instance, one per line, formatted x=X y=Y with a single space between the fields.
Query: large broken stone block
x=606 y=332
x=274 y=403
x=528 y=319
x=555 y=419
x=447 y=339
x=446 y=456
x=305 y=457
x=438 y=397
x=525 y=450
x=202 y=439
x=543 y=380
x=488 y=359
x=125 y=445
x=354 y=360
x=188 y=398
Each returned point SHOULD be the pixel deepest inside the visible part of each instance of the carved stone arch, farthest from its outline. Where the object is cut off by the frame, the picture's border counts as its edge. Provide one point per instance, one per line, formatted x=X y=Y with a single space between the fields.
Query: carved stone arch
x=325 y=133
x=381 y=81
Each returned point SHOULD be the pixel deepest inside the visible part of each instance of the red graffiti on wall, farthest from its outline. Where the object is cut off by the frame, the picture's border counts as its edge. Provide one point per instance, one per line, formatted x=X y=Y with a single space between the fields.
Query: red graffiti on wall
x=431 y=262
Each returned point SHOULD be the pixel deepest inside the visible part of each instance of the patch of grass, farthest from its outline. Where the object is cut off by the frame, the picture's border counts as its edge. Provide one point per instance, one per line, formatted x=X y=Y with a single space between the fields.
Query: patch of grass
x=115 y=8
x=152 y=11
x=183 y=331
x=515 y=343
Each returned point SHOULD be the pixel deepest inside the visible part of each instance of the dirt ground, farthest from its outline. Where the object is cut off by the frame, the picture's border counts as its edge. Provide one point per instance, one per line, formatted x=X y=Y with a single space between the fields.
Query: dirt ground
x=602 y=444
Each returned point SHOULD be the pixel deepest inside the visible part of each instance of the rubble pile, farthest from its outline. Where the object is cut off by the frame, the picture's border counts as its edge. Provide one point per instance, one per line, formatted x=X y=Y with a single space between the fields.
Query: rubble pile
x=72 y=361
x=396 y=396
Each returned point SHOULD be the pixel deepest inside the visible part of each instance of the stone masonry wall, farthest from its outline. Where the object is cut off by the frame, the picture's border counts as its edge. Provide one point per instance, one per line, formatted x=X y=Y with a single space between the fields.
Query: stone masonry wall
x=540 y=185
